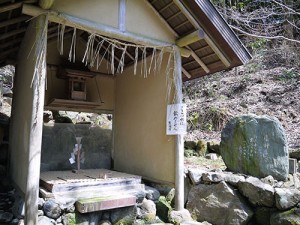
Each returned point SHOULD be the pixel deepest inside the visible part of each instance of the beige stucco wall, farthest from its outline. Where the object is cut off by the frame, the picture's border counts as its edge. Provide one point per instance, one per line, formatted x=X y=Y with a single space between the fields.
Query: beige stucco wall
x=140 y=18
x=22 y=110
x=141 y=144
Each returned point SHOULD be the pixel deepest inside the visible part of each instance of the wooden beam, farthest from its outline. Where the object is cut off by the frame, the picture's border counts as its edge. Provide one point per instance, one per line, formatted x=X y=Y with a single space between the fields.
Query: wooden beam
x=10 y=7
x=12 y=33
x=98 y=28
x=209 y=41
x=36 y=127
x=13 y=21
x=186 y=73
x=122 y=15
x=179 y=176
x=185 y=52
x=190 y=38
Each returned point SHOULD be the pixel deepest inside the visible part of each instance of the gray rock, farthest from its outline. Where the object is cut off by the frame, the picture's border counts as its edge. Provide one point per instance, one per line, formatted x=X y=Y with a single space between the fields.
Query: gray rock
x=147 y=210
x=40 y=212
x=170 y=196
x=52 y=209
x=255 y=145
x=124 y=216
x=263 y=215
x=5 y=217
x=218 y=204
x=196 y=175
x=258 y=193
x=216 y=177
x=195 y=223
x=105 y=222
x=162 y=208
x=269 y=180
x=14 y=222
x=41 y=203
x=213 y=177
x=152 y=193
x=286 y=198
x=44 y=220
x=211 y=156
x=291 y=217
x=177 y=217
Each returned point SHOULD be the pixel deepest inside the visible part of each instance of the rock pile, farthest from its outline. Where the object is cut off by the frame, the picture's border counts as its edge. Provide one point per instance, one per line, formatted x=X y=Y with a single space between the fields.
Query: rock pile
x=226 y=198
x=151 y=208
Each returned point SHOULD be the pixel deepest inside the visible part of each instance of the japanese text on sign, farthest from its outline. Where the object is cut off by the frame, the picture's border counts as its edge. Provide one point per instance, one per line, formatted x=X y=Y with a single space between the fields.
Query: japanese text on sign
x=176 y=119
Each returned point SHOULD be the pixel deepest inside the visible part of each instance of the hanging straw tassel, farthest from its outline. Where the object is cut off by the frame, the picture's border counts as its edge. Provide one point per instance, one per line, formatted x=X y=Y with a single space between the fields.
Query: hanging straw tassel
x=136 y=57
x=72 y=53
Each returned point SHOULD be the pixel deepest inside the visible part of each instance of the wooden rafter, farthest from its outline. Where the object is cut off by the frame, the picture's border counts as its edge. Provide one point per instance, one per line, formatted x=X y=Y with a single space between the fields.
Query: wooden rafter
x=209 y=41
x=192 y=53
x=10 y=7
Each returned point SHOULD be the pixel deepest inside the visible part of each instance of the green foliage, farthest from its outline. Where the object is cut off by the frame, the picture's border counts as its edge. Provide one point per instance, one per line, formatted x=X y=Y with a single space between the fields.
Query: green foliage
x=289 y=75
x=193 y=119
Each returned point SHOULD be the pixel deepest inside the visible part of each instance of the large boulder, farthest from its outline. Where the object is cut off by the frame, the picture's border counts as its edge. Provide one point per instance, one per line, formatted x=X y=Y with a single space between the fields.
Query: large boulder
x=255 y=145
x=291 y=217
x=258 y=193
x=219 y=204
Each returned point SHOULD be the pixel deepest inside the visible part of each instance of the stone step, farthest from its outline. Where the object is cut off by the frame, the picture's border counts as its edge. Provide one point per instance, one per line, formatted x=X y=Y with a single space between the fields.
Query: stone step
x=104 y=203
x=193 y=223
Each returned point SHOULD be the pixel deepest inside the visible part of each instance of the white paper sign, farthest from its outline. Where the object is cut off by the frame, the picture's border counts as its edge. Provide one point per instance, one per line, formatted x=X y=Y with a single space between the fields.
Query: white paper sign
x=176 y=119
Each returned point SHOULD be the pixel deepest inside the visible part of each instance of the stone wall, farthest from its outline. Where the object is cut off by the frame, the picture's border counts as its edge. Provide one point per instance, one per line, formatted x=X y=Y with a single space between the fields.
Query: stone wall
x=226 y=198
x=59 y=141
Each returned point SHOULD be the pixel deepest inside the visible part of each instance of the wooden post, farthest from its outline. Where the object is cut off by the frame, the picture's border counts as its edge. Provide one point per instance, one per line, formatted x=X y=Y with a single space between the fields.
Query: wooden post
x=179 y=178
x=122 y=15
x=35 y=136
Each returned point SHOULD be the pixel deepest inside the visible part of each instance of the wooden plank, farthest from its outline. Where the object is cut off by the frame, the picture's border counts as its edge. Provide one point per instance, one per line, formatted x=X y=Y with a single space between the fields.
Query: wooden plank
x=13 y=21
x=190 y=38
x=10 y=7
x=73 y=104
x=105 y=203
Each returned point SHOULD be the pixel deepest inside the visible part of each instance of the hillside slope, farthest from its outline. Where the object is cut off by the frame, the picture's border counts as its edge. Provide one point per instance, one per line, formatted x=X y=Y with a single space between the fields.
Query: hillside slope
x=212 y=100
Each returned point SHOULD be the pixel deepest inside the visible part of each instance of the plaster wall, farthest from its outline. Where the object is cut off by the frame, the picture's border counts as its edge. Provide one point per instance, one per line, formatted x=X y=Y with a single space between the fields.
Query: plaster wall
x=141 y=144
x=22 y=109
x=140 y=18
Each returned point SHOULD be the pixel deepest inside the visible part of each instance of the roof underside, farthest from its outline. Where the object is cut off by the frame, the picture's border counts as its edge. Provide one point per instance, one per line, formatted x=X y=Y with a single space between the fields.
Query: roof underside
x=219 y=46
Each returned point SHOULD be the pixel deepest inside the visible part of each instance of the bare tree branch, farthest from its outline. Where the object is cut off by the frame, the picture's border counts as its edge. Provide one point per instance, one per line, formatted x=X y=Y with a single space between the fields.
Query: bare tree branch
x=266 y=37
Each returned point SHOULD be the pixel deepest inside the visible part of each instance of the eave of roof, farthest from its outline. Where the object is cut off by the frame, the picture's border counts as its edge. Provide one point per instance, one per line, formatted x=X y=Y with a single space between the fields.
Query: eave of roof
x=224 y=40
